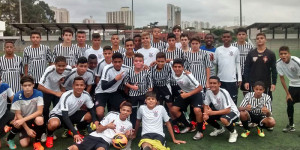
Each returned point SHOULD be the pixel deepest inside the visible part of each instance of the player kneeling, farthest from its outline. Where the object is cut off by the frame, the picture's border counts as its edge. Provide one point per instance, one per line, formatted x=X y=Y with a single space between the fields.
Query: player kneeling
x=111 y=125
x=256 y=108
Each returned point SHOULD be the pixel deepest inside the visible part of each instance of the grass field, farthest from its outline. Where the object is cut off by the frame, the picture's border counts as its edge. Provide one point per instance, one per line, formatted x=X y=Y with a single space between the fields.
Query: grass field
x=276 y=139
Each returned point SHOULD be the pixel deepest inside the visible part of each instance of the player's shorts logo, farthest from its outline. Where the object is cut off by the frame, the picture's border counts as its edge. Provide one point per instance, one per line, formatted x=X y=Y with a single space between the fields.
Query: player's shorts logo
x=254 y=59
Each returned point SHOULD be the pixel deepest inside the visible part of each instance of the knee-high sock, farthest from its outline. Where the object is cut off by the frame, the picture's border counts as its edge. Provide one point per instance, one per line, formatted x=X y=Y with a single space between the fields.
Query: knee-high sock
x=290 y=112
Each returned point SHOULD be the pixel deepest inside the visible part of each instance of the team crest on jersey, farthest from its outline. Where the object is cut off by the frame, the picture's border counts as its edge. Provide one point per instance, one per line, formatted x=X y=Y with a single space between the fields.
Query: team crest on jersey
x=231 y=53
x=122 y=129
x=150 y=54
x=265 y=59
x=167 y=97
x=293 y=69
x=96 y=103
x=254 y=59
x=4 y=96
x=155 y=113
x=218 y=101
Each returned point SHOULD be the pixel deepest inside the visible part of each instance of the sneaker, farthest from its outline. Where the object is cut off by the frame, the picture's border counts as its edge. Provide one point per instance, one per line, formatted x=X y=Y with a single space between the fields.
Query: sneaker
x=270 y=129
x=198 y=136
x=216 y=132
x=185 y=130
x=65 y=133
x=233 y=136
x=289 y=128
x=245 y=134
x=194 y=126
x=49 y=141
x=176 y=129
x=43 y=138
x=37 y=146
x=11 y=144
x=7 y=129
x=260 y=132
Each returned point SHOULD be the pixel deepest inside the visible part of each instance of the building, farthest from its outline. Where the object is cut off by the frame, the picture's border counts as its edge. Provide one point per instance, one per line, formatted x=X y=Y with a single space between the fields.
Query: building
x=173 y=15
x=2 y=28
x=185 y=24
x=122 y=16
x=89 y=20
x=61 y=15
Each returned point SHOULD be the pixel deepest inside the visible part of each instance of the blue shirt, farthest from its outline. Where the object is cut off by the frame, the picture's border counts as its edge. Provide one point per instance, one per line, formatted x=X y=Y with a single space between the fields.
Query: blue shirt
x=203 y=47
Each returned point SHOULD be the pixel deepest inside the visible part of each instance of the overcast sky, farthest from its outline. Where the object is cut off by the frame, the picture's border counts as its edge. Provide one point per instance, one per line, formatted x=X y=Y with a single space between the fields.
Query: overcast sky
x=216 y=12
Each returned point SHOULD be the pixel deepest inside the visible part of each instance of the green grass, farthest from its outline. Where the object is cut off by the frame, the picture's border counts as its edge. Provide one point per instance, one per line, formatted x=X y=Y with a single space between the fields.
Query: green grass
x=273 y=140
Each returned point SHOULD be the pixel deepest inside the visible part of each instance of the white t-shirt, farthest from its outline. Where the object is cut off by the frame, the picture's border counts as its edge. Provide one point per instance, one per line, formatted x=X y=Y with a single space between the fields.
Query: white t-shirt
x=149 y=55
x=291 y=70
x=121 y=127
x=70 y=103
x=152 y=120
x=98 y=53
x=227 y=60
x=88 y=78
x=186 y=82
x=101 y=64
x=220 y=101
x=5 y=91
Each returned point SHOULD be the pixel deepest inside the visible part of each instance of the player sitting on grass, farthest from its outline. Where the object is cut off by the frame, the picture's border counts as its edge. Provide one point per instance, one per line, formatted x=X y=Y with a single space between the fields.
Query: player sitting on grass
x=28 y=106
x=152 y=117
x=256 y=108
x=111 y=124
x=224 y=110
x=68 y=112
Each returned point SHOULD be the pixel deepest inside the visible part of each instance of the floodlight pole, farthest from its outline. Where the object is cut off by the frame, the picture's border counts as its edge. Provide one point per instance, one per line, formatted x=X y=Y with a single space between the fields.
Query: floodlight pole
x=132 y=19
x=20 y=9
x=241 y=18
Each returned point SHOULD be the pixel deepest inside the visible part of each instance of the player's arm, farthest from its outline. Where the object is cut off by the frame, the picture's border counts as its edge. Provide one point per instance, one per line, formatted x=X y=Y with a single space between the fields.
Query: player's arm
x=68 y=122
x=19 y=117
x=218 y=112
x=247 y=66
x=101 y=127
x=97 y=79
x=288 y=95
x=207 y=77
x=26 y=69
x=25 y=60
x=245 y=105
x=170 y=129
x=107 y=84
x=89 y=88
x=137 y=126
x=21 y=120
x=48 y=91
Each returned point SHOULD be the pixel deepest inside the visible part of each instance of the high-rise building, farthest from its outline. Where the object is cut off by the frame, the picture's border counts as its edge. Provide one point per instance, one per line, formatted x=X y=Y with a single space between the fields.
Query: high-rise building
x=173 y=15
x=61 y=15
x=89 y=20
x=122 y=16
x=185 y=24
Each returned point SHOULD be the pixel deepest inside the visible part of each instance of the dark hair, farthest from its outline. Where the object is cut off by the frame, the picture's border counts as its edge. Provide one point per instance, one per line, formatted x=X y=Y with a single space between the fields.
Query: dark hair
x=176 y=27
x=171 y=35
x=261 y=34
x=241 y=30
x=210 y=34
x=225 y=32
x=127 y=40
x=161 y=55
x=9 y=41
x=115 y=34
x=27 y=78
x=96 y=36
x=150 y=94
x=81 y=60
x=284 y=48
x=178 y=61
x=184 y=35
x=60 y=59
x=139 y=55
x=126 y=103
x=78 y=78
x=215 y=77
x=35 y=32
x=195 y=38
x=92 y=56
x=107 y=48
x=67 y=30
x=117 y=55
x=259 y=83
x=137 y=35
x=80 y=32
x=155 y=27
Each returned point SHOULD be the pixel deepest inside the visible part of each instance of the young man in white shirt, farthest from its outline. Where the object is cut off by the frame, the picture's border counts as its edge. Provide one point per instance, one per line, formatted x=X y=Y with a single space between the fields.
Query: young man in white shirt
x=147 y=50
x=81 y=39
x=96 y=47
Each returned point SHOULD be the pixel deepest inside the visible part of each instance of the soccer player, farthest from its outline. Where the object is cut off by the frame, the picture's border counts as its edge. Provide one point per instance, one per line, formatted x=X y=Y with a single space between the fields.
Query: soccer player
x=260 y=65
x=290 y=67
x=111 y=124
x=50 y=83
x=224 y=109
x=190 y=95
x=36 y=58
x=152 y=117
x=184 y=40
x=28 y=106
x=227 y=59
x=209 y=47
x=107 y=88
x=156 y=42
x=81 y=70
x=177 y=31
x=92 y=62
x=139 y=81
x=244 y=48
x=129 y=54
x=137 y=42
x=107 y=53
x=256 y=108
x=115 y=42
x=68 y=112
x=147 y=50
x=81 y=39
x=96 y=47
x=11 y=67
x=66 y=49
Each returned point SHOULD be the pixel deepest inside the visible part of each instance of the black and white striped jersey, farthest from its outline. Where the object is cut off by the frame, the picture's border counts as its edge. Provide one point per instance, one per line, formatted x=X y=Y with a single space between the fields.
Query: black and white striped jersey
x=141 y=79
x=72 y=53
x=198 y=62
x=83 y=49
x=11 y=71
x=120 y=50
x=37 y=60
x=100 y=67
x=244 y=50
x=88 y=78
x=161 y=77
x=161 y=45
x=257 y=103
x=128 y=61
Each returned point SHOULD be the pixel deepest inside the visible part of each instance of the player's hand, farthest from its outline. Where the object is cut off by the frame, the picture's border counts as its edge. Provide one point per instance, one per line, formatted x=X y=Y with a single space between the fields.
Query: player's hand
x=289 y=97
x=239 y=83
x=59 y=94
x=205 y=116
x=18 y=123
x=265 y=110
x=248 y=107
x=209 y=112
x=62 y=80
x=146 y=67
x=207 y=85
x=211 y=56
x=77 y=138
x=272 y=89
x=168 y=60
x=111 y=125
x=246 y=85
x=184 y=95
x=179 y=142
x=31 y=133
x=135 y=87
x=150 y=89
x=153 y=63
x=119 y=76
x=187 y=72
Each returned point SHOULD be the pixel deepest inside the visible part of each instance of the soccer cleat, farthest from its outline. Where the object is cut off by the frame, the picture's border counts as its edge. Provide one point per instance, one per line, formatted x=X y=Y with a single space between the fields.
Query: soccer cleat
x=65 y=133
x=289 y=128
x=194 y=126
x=204 y=126
x=260 y=132
x=7 y=129
x=252 y=125
x=216 y=132
x=11 y=144
x=49 y=142
x=232 y=137
x=43 y=138
x=198 y=136
x=84 y=132
x=176 y=129
x=185 y=130
x=245 y=134
x=37 y=146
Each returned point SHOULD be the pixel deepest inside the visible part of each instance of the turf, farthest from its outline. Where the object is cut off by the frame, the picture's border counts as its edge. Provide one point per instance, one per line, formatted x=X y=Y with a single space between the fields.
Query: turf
x=273 y=140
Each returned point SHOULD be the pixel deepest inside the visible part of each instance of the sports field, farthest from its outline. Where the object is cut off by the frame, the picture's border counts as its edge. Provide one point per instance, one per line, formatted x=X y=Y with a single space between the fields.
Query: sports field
x=276 y=139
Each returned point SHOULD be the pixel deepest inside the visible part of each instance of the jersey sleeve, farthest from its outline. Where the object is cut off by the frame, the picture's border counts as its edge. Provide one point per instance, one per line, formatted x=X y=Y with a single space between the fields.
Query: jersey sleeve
x=165 y=115
x=16 y=104
x=279 y=69
x=226 y=99
x=207 y=100
x=268 y=102
x=207 y=62
x=104 y=75
x=246 y=99
x=54 y=54
x=193 y=80
x=25 y=57
x=48 y=55
x=91 y=78
x=63 y=102
x=40 y=100
x=149 y=80
x=106 y=120
x=44 y=76
x=89 y=103
x=139 y=113
x=9 y=91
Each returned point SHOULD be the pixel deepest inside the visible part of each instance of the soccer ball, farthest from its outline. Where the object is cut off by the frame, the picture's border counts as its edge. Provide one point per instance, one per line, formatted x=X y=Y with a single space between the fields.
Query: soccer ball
x=119 y=141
